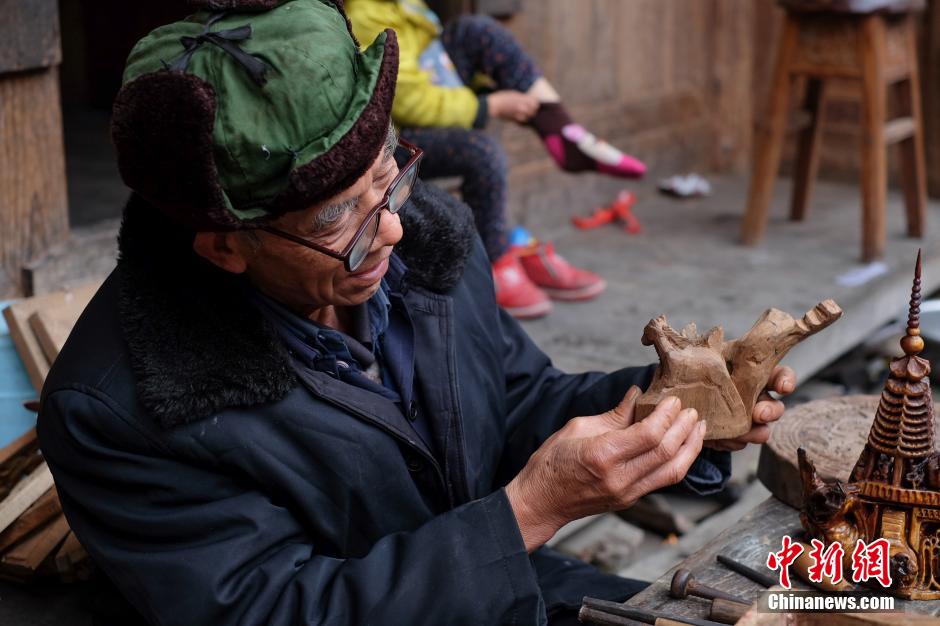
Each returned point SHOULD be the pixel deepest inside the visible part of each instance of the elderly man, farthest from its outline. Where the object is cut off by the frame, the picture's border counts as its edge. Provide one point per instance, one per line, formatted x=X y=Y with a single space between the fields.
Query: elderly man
x=295 y=401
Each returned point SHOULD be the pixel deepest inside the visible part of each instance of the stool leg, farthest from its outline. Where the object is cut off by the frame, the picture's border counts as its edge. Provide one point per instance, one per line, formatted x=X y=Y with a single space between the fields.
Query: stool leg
x=769 y=142
x=807 y=155
x=913 y=167
x=874 y=169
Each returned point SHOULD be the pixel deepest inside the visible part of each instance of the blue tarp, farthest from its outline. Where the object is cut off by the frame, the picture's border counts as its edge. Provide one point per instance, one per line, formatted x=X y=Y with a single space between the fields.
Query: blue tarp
x=15 y=388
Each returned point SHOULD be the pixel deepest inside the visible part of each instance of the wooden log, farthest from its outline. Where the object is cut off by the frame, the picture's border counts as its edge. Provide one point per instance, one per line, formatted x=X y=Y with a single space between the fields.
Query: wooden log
x=24 y=495
x=62 y=306
x=33 y=200
x=18 y=459
x=25 y=558
x=43 y=510
x=833 y=431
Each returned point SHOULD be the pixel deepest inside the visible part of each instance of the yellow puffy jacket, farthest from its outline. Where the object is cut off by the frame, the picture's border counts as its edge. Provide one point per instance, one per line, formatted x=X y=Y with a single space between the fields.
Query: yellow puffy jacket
x=418 y=102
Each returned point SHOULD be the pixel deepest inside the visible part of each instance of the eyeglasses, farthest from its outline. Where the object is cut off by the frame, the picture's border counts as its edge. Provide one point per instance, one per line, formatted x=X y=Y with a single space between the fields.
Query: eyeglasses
x=398 y=192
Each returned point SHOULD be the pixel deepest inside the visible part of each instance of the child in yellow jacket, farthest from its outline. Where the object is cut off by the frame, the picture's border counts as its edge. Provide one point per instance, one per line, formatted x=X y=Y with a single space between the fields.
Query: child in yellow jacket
x=437 y=110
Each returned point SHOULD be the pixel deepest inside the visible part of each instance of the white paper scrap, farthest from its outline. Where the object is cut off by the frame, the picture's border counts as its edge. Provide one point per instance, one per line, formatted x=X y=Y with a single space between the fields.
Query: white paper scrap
x=862 y=274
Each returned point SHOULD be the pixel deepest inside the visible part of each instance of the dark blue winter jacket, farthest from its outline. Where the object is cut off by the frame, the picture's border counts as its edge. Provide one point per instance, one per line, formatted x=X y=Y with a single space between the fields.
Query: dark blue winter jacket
x=217 y=484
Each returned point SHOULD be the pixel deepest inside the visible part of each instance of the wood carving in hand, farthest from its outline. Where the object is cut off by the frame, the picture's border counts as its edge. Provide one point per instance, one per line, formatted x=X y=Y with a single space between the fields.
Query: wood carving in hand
x=723 y=379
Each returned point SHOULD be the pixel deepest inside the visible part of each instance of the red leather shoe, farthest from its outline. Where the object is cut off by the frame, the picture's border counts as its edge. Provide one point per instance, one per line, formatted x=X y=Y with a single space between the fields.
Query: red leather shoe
x=516 y=292
x=558 y=278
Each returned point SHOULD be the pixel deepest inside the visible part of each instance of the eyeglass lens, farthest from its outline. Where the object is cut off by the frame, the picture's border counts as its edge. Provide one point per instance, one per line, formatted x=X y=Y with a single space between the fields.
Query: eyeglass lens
x=399 y=195
x=361 y=248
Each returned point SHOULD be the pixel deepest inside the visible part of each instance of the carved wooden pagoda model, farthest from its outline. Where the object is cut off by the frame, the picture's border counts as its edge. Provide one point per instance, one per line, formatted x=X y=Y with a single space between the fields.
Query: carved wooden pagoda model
x=894 y=489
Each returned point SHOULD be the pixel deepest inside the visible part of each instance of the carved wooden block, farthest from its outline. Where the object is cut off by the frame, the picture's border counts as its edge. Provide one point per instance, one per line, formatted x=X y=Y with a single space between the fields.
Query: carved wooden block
x=832 y=431
x=723 y=379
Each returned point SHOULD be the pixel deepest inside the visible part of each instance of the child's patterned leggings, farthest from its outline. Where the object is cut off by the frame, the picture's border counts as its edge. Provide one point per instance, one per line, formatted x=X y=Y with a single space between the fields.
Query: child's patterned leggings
x=477 y=45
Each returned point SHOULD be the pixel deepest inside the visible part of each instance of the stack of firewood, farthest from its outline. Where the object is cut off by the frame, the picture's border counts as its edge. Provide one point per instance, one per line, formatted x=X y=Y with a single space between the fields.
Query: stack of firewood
x=35 y=538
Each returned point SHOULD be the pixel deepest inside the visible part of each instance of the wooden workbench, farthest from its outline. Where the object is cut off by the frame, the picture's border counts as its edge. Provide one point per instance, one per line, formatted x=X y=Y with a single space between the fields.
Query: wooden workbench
x=749 y=541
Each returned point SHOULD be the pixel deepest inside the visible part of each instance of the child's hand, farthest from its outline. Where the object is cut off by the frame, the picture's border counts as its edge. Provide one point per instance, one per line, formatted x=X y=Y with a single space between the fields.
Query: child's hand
x=514 y=106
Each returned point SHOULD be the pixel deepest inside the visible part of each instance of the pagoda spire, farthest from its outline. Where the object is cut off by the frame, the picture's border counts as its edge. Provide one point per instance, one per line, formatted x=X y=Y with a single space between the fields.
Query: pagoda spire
x=901 y=437
x=912 y=343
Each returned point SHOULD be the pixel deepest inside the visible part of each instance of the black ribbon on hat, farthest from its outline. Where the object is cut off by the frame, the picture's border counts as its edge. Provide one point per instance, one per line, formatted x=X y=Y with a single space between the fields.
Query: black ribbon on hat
x=226 y=40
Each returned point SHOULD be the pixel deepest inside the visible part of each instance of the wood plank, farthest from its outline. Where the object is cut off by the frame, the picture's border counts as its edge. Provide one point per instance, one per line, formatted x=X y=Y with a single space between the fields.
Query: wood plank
x=27 y=345
x=50 y=333
x=53 y=325
x=18 y=459
x=911 y=151
x=72 y=561
x=30 y=35
x=749 y=541
x=769 y=142
x=25 y=558
x=43 y=510
x=24 y=495
x=26 y=443
x=874 y=172
x=498 y=8
x=33 y=200
x=930 y=66
x=61 y=305
x=730 y=84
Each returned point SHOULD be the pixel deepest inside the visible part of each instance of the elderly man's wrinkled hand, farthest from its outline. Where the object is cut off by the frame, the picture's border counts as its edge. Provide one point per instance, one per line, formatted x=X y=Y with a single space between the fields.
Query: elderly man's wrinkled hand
x=766 y=412
x=602 y=463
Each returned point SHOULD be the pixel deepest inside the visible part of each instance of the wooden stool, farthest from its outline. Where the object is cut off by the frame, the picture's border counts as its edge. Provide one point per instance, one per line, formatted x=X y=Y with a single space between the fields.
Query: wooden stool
x=873 y=42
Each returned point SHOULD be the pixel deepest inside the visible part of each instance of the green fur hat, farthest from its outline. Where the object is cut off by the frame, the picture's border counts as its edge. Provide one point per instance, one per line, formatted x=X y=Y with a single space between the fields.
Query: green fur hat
x=250 y=109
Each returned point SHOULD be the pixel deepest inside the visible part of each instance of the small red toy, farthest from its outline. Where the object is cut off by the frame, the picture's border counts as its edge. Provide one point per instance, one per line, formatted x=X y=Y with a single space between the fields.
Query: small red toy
x=620 y=210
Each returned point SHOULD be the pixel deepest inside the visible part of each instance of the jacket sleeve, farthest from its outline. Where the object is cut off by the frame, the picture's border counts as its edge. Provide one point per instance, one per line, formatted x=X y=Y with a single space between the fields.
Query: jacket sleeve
x=194 y=543
x=418 y=102
x=541 y=399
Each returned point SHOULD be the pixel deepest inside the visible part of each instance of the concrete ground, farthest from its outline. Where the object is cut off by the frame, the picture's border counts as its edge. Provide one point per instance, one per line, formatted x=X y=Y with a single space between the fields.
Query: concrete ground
x=688 y=265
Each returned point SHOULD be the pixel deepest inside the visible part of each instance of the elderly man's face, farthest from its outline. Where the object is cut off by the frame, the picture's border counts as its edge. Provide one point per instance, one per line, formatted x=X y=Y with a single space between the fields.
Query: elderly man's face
x=306 y=280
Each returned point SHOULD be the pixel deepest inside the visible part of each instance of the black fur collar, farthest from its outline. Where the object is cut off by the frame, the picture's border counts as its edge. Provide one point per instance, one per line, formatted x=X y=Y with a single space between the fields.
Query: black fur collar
x=197 y=346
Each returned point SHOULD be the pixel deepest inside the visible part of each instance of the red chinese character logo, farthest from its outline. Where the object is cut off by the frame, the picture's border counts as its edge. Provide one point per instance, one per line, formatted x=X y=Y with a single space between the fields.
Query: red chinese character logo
x=871 y=561
x=782 y=560
x=828 y=562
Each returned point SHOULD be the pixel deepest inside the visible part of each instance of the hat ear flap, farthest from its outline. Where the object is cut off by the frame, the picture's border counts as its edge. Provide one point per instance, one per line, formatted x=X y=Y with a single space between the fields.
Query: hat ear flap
x=161 y=126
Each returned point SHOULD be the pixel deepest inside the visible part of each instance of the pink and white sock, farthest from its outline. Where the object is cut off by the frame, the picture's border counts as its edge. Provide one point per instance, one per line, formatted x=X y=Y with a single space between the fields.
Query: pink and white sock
x=574 y=149
x=609 y=159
